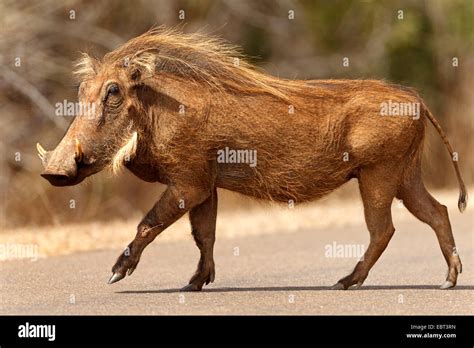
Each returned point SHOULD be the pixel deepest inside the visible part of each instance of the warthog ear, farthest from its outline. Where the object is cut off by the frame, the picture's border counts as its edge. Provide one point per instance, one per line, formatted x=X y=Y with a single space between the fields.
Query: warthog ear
x=86 y=67
x=141 y=65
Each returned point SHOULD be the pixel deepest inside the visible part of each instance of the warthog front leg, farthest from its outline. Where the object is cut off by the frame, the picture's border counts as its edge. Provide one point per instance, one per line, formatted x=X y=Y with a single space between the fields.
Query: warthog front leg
x=173 y=204
x=203 y=224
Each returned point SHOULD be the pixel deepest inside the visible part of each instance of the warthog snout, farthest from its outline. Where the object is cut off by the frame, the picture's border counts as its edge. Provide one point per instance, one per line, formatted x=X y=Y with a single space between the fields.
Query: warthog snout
x=57 y=178
x=61 y=165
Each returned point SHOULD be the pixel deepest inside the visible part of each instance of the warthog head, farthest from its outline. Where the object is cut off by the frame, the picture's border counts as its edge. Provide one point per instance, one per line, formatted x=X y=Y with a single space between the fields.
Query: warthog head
x=103 y=132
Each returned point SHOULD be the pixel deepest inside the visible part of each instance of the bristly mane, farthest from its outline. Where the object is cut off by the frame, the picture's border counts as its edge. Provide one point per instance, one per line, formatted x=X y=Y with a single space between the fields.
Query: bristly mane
x=198 y=57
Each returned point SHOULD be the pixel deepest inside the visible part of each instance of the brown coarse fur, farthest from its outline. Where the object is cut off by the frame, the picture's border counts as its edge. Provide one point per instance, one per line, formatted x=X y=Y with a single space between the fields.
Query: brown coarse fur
x=179 y=100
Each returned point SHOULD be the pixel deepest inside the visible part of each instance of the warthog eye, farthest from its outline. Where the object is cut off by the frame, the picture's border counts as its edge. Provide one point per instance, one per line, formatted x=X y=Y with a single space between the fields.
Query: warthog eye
x=113 y=89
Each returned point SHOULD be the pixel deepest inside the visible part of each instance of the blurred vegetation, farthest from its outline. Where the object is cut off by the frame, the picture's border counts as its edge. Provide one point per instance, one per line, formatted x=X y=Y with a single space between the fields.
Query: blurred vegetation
x=40 y=40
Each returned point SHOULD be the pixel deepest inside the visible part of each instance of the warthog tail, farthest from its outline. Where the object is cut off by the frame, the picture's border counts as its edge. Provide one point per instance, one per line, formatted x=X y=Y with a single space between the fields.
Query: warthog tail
x=462 y=201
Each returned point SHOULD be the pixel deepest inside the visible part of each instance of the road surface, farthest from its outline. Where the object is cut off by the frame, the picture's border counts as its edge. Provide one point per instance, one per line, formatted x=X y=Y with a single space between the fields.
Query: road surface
x=278 y=273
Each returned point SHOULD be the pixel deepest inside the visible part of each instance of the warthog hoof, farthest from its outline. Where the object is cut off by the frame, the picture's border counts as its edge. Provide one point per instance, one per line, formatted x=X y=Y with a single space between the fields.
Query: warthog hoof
x=447 y=285
x=191 y=287
x=338 y=286
x=115 y=278
x=125 y=265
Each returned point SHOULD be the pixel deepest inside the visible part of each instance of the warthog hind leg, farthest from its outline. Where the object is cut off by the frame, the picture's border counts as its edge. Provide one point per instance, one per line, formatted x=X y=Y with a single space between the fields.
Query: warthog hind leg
x=427 y=209
x=378 y=187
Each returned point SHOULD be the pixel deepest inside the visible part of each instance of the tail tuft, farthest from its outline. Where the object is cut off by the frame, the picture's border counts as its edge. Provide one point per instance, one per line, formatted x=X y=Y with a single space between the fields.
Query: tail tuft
x=462 y=202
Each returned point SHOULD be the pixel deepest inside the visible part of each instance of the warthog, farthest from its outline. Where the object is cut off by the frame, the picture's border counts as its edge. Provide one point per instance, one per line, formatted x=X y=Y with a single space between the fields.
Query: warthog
x=166 y=103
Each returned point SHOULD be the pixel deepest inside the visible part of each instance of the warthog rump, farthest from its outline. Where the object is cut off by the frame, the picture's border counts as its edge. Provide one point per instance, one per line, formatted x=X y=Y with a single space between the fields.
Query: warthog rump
x=188 y=111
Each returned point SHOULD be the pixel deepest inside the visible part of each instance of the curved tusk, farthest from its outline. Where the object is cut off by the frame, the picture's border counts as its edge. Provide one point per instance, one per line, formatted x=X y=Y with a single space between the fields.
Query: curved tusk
x=41 y=151
x=78 y=153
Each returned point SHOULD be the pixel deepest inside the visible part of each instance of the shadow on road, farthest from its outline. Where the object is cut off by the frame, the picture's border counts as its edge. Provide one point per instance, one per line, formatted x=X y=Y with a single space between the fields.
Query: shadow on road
x=300 y=288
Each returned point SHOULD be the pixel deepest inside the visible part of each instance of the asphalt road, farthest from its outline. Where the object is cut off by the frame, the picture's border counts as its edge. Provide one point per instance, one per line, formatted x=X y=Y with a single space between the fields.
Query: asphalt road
x=286 y=273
